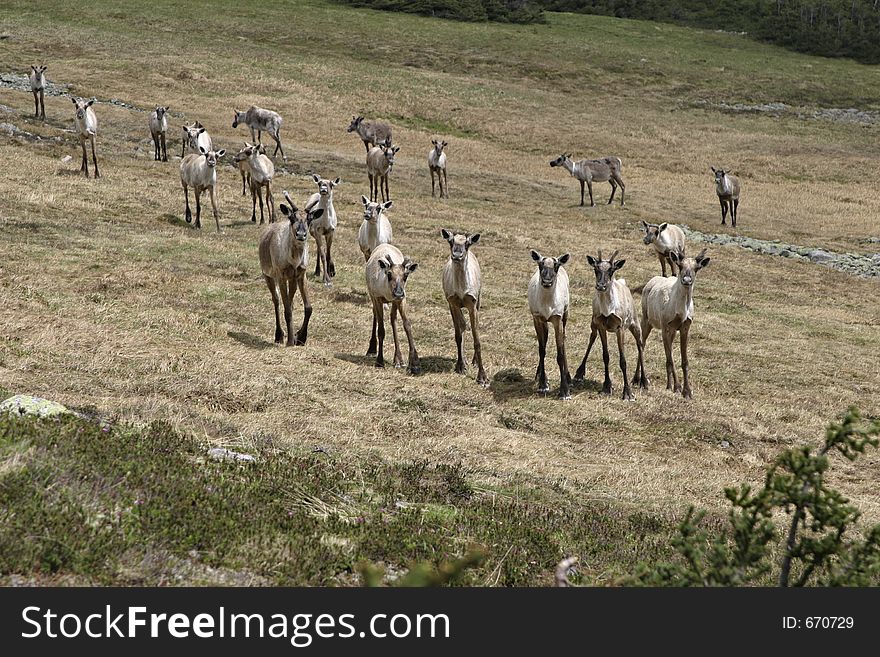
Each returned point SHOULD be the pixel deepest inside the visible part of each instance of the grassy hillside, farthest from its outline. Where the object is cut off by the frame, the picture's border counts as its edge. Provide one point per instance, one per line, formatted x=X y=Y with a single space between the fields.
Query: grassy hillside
x=108 y=299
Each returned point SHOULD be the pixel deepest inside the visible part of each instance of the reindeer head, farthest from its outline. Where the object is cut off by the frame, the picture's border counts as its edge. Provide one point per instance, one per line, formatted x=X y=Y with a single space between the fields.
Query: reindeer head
x=81 y=107
x=397 y=274
x=549 y=267
x=652 y=231
x=373 y=210
x=249 y=151
x=439 y=146
x=605 y=269
x=389 y=151
x=688 y=267
x=325 y=187
x=459 y=244
x=722 y=184
x=38 y=70
x=211 y=156
x=192 y=134
x=355 y=123
x=161 y=112
x=561 y=160
x=239 y=118
x=300 y=220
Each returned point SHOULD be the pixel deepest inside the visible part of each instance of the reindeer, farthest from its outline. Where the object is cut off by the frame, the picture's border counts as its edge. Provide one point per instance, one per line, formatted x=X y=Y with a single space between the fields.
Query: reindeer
x=666 y=238
x=324 y=229
x=37 y=79
x=261 y=170
x=284 y=257
x=158 y=130
x=437 y=166
x=260 y=120
x=372 y=133
x=200 y=173
x=727 y=188
x=613 y=310
x=195 y=136
x=668 y=305
x=462 y=280
x=380 y=160
x=386 y=272
x=590 y=171
x=548 y=303
x=86 y=124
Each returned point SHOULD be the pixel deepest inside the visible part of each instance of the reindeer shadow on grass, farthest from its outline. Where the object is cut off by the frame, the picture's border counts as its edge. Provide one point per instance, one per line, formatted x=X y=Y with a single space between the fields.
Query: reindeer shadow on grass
x=173 y=220
x=511 y=384
x=249 y=340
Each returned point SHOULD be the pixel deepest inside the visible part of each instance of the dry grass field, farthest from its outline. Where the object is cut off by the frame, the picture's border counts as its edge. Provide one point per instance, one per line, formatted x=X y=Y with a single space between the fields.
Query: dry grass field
x=108 y=299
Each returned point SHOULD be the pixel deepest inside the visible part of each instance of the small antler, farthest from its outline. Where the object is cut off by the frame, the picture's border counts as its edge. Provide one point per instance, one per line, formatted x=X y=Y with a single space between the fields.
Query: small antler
x=600 y=255
x=388 y=258
x=290 y=201
x=613 y=255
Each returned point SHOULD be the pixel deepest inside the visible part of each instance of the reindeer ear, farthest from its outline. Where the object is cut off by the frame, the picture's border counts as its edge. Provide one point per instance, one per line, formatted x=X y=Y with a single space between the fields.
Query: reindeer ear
x=285 y=210
x=473 y=239
x=445 y=234
x=365 y=200
x=336 y=182
x=713 y=169
x=645 y=224
x=445 y=143
x=703 y=262
x=202 y=150
x=316 y=178
x=221 y=152
x=563 y=258
x=592 y=261
x=535 y=256
x=73 y=100
x=91 y=102
x=316 y=214
x=662 y=227
x=619 y=264
x=395 y=149
x=410 y=267
x=434 y=141
x=674 y=256
x=387 y=205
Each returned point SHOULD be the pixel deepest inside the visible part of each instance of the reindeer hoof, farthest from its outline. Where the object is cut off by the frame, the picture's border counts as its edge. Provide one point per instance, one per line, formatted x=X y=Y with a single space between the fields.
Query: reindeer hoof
x=380 y=363
x=628 y=396
x=483 y=380
x=544 y=388
x=459 y=368
x=606 y=390
x=564 y=396
x=331 y=269
x=415 y=370
x=687 y=394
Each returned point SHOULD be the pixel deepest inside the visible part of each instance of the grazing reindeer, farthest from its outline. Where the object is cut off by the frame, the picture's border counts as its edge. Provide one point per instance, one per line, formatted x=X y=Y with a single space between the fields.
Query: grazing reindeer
x=548 y=303
x=158 y=130
x=386 y=273
x=86 y=124
x=324 y=228
x=372 y=133
x=261 y=170
x=666 y=238
x=375 y=229
x=195 y=136
x=668 y=305
x=727 y=188
x=380 y=160
x=462 y=281
x=200 y=173
x=437 y=165
x=613 y=310
x=260 y=120
x=241 y=163
x=590 y=171
x=37 y=78
x=284 y=256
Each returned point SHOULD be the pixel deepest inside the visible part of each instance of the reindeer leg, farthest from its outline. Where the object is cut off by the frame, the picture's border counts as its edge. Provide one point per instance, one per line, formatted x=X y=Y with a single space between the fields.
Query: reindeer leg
x=561 y=360
x=603 y=335
x=542 y=330
x=734 y=211
x=270 y=203
x=198 y=194
x=94 y=157
x=613 y=190
x=36 y=105
x=398 y=357
x=582 y=193
x=42 y=105
x=662 y=257
x=433 y=191
x=287 y=291
x=188 y=213
x=671 y=378
x=303 y=332
x=254 y=202
x=686 y=389
x=379 y=322
x=590 y=188
x=371 y=349
x=445 y=184
x=723 y=211
x=164 y=148
x=156 y=155
x=639 y=378
x=582 y=370
x=273 y=289
x=457 y=323
x=622 y=189
x=318 y=247
x=331 y=268
x=84 y=168
x=415 y=365
x=474 y=314
x=627 y=392
x=214 y=208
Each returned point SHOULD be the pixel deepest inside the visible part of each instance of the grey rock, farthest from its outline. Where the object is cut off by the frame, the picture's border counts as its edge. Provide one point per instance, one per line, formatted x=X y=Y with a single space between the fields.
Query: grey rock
x=26 y=405
x=221 y=453
x=820 y=255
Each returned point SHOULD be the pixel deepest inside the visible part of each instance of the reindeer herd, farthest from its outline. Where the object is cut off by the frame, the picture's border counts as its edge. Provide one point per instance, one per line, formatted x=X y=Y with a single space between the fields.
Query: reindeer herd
x=667 y=302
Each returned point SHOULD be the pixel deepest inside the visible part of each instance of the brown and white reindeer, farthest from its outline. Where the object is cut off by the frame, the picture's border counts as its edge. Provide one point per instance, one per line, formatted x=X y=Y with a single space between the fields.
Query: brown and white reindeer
x=37 y=79
x=375 y=228
x=284 y=257
x=613 y=311
x=372 y=133
x=200 y=173
x=380 y=161
x=261 y=120
x=195 y=136
x=386 y=272
x=261 y=170
x=159 y=130
x=606 y=169
x=462 y=282
x=437 y=166
x=86 y=124
x=665 y=238
x=324 y=229
x=727 y=189
x=668 y=305
x=548 y=303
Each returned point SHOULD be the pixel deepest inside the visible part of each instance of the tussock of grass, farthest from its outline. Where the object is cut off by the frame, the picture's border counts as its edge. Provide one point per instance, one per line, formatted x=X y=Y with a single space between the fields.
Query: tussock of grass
x=87 y=504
